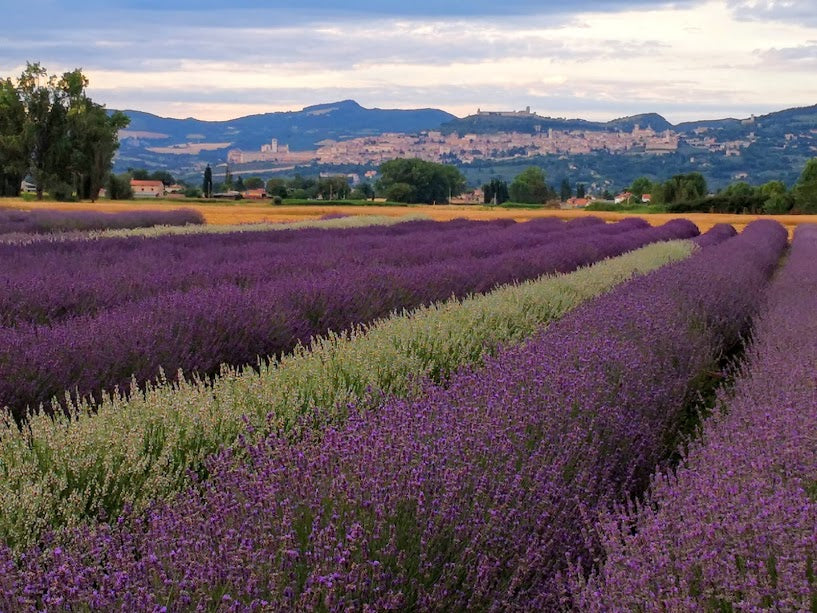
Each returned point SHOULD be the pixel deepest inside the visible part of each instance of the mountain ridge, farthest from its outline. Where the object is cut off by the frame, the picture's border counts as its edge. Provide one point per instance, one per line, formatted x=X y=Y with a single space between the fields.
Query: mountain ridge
x=772 y=145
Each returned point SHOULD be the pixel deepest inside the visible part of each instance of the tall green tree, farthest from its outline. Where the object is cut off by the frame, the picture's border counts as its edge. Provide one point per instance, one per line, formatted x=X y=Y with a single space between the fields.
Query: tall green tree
x=207 y=182
x=14 y=154
x=684 y=188
x=530 y=187
x=805 y=191
x=52 y=130
x=565 y=191
x=495 y=191
x=44 y=132
x=428 y=182
x=93 y=135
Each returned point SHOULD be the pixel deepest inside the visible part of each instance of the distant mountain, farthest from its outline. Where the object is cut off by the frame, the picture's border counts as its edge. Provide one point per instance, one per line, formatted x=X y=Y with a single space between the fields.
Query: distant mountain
x=487 y=123
x=186 y=143
x=298 y=129
x=647 y=120
x=756 y=149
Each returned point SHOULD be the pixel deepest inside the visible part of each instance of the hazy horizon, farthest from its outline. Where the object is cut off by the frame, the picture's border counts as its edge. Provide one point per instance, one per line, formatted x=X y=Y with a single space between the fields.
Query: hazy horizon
x=601 y=119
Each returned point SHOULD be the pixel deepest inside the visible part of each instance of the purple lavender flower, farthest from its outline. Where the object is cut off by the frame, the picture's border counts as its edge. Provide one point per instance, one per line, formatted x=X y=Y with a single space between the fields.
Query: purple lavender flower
x=87 y=318
x=473 y=496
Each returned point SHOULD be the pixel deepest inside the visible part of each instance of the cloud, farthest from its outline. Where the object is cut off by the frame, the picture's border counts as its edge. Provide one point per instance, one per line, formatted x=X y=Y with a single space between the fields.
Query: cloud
x=795 y=11
x=621 y=58
x=802 y=57
x=318 y=10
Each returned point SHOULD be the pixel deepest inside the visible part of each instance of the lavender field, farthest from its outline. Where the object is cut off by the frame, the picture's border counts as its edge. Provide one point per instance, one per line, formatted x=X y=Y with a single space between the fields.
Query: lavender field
x=438 y=416
x=87 y=318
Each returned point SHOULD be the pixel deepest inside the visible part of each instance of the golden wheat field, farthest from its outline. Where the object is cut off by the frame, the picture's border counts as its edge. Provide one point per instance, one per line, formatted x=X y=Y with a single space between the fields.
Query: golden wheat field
x=232 y=213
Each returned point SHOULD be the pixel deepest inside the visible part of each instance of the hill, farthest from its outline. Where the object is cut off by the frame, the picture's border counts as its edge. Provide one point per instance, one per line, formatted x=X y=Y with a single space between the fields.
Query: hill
x=196 y=140
x=756 y=149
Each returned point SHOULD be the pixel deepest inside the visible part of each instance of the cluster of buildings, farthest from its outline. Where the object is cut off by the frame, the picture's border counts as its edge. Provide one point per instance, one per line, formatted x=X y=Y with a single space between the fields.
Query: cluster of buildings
x=273 y=152
x=434 y=146
x=710 y=143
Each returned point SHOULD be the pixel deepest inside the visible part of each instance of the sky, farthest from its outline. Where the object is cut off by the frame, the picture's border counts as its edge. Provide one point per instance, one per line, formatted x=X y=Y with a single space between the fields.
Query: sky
x=596 y=60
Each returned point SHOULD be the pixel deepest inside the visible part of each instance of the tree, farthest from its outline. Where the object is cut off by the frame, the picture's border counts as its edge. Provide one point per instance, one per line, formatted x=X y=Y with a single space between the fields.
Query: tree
x=400 y=192
x=14 y=155
x=428 y=182
x=565 y=191
x=119 y=187
x=334 y=187
x=44 y=100
x=277 y=187
x=238 y=185
x=495 y=191
x=163 y=176
x=740 y=189
x=94 y=138
x=684 y=188
x=366 y=190
x=777 y=199
x=207 y=183
x=641 y=186
x=529 y=187
x=581 y=191
x=254 y=183
x=805 y=191
x=52 y=130
x=300 y=182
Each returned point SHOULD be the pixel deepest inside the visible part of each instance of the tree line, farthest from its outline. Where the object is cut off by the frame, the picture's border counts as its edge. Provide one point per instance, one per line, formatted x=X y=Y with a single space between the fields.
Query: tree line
x=689 y=193
x=52 y=132
x=408 y=180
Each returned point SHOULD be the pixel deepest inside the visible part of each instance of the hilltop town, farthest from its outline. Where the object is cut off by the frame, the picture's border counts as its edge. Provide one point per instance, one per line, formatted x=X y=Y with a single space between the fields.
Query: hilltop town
x=438 y=146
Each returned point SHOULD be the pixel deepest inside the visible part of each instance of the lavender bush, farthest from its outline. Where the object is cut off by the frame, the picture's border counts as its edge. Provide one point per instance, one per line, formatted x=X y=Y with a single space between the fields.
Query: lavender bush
x=265 y=226
x=13 y=221
x=470 y=497
x=716 y=234
x=258 y=313
x=735 y=528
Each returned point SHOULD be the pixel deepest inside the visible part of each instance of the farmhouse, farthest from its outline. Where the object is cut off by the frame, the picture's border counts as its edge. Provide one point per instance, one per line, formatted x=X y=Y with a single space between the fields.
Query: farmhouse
x=255 y=194
x=147 y=189
x=623 y=197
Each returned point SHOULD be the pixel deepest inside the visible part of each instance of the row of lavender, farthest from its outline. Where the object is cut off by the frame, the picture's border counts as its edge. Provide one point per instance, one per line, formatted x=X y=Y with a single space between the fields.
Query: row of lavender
x=13 y=221
x=199 y=329
x=47 y=283
x=471 y=497
x=736 y=527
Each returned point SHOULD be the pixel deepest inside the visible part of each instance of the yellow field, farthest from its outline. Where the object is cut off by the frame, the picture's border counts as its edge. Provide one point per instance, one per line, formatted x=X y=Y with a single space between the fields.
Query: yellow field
x=247 y=212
